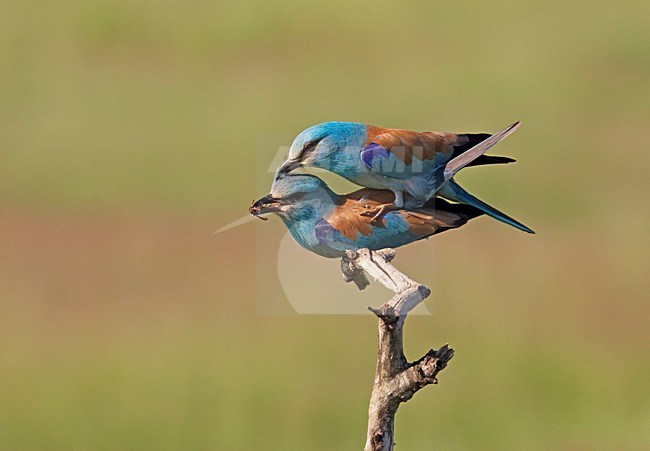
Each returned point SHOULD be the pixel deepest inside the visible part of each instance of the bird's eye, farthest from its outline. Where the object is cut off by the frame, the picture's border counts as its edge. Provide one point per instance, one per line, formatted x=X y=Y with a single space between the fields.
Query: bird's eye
x=310 y=146
x=294 y=197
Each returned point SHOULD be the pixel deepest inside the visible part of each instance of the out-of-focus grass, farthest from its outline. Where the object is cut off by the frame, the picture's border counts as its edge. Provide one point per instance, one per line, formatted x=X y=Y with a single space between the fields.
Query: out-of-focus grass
x=115 y=102
x=129 y=132
x=131 y=333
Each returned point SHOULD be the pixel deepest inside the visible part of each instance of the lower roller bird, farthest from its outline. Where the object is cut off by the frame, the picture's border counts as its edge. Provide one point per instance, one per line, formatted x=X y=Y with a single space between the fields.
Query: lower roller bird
x=329 y=224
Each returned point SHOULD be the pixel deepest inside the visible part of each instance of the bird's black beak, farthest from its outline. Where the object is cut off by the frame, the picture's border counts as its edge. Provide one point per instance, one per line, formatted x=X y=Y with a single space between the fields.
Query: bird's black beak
x=267 y=204
x=289 y=166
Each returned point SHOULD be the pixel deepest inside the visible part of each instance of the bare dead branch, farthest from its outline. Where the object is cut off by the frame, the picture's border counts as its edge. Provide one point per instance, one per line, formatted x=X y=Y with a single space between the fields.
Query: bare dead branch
x=396 y=380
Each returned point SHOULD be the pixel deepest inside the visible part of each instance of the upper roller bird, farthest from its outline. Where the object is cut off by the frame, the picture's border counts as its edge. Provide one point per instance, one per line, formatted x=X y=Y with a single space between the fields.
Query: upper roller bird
x=421 y=164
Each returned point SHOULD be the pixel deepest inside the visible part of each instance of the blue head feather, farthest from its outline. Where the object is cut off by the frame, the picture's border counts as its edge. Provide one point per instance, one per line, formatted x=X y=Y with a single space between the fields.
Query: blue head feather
x=305 y=200
x=299 y=186
x=304 y=196
x=323 y=145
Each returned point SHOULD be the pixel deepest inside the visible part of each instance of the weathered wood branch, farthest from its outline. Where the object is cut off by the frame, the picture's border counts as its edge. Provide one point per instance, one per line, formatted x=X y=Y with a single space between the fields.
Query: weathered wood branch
x=396 y=380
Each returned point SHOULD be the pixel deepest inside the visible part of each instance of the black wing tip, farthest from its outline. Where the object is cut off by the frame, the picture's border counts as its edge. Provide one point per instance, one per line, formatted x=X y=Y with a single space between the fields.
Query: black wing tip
x=491 y=159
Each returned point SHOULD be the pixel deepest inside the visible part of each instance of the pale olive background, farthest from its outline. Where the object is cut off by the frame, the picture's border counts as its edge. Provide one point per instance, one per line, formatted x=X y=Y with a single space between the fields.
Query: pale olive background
x=129 y=132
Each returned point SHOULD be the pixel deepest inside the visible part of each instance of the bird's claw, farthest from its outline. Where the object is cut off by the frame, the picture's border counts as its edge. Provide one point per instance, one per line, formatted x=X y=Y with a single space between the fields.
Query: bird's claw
x=378 y=211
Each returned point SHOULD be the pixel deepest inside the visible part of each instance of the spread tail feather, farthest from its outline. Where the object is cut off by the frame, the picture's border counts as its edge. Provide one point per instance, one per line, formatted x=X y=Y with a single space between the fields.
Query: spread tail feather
x=452 y=191
x=423 y=188
x=472 y=140
x=465 y=158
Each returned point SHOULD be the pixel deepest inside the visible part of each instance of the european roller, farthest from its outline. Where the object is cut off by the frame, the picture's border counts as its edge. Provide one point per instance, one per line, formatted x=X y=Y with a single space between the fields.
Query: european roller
x=329 y=224
x=420 y=164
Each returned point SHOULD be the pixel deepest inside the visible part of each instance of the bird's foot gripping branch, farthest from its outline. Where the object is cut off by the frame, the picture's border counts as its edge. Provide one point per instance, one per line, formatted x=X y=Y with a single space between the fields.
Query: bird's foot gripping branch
x=396 y=380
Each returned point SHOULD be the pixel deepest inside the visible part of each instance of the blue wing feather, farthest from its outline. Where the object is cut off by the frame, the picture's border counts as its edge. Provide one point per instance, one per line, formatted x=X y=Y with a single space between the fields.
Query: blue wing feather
x=388 y=162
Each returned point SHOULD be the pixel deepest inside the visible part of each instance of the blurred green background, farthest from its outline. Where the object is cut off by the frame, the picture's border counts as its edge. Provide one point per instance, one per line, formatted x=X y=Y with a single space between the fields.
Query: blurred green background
x=128 y=131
